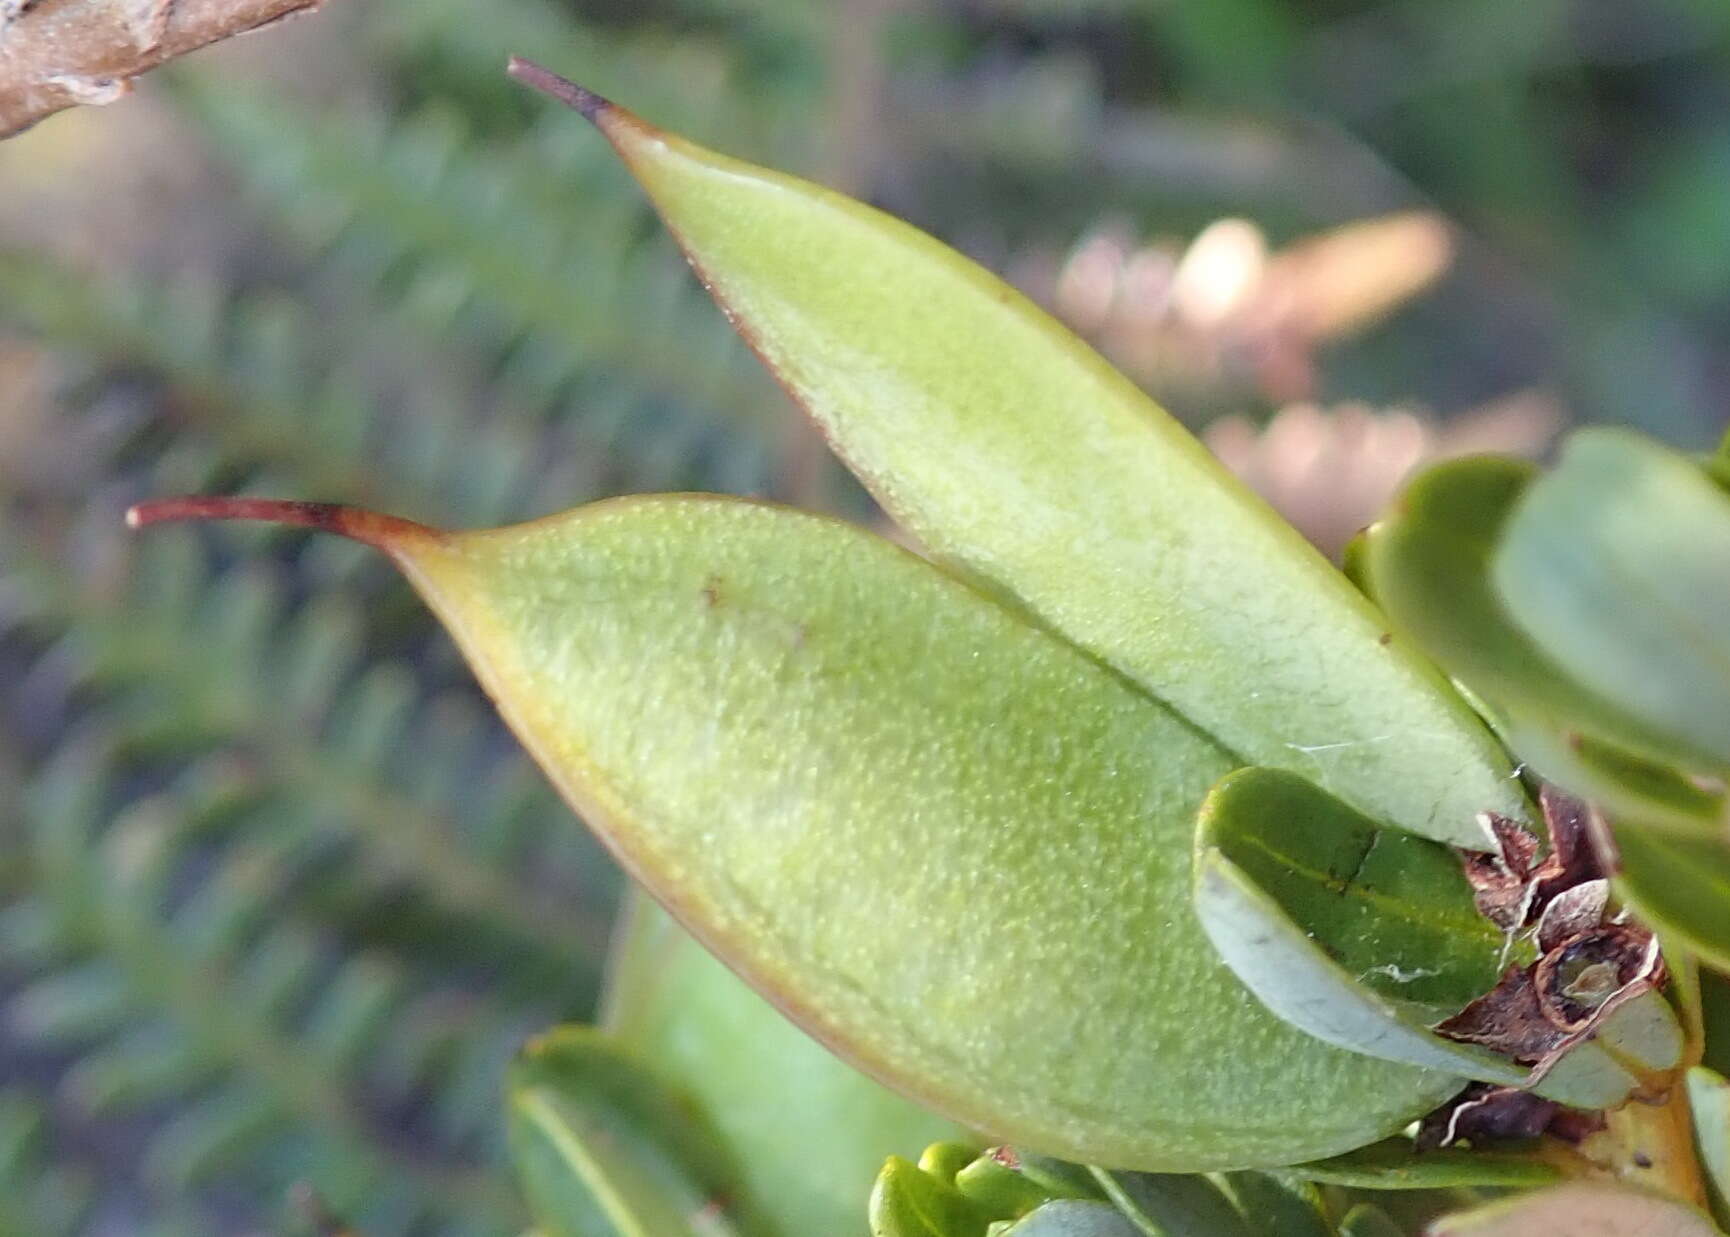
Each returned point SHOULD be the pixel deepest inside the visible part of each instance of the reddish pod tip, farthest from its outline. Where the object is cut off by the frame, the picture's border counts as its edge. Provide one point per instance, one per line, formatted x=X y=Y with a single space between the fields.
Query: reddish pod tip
x=590 y=104
x=381 y=531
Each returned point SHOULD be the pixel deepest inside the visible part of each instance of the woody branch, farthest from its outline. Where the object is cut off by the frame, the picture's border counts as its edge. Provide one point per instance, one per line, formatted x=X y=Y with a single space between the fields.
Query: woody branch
x=56 y=54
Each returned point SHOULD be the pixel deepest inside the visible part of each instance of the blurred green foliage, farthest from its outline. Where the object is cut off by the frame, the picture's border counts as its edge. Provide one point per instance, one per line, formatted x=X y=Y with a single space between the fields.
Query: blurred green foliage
x=280 y=898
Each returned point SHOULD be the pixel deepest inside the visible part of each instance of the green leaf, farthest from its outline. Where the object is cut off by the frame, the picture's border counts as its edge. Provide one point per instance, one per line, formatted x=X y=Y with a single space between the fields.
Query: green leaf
x=1000 y=1190
x=1709 y=1101
x=1685 y=988
x=1330 y=930
x=1367 y=1220
x=1580 y=1207
x=1394 y=1164
x=1059 y=1178
x=1622 y=783
x=1679 y=885
x=1617 y=563
x=956 y=848
x=1173 y=1205
x=1643 y=1035
x=1295 y=977
x=1715 y=1019
x=944 y=1160
x=994 y=1184
x=907 y=1202
x=603 y=1148
x=807 y=1132
x=1070 y=1218
x=1010 y=448
x=1429 y=563
x=1278 y=1205
x=1391 y=909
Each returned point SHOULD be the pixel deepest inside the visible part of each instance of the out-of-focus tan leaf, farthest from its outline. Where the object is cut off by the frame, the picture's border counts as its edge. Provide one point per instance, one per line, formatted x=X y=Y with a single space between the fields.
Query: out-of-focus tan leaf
x=1331 y=471
x=1341 y=281
x=1225 y=307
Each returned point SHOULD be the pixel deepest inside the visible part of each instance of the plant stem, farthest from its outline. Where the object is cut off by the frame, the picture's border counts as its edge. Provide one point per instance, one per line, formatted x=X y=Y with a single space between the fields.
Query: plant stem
x=368 y=527
x=1650 y=1144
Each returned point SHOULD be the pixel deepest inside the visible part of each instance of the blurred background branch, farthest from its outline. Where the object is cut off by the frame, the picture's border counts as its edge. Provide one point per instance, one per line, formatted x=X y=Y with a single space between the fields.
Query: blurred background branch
x=56 y=54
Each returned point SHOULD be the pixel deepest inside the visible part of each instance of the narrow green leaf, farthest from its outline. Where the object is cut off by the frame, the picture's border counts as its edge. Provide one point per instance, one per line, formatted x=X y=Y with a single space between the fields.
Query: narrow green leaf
x=1394 y=1164
x=1717 y=463
x=944 y=1160
x=1709 y=1101
x=999 y=1190
x=1173 y=1205
x=1059 y=1178
x=1643 y=1034
x=1365 y=937
x=1429 y=563
x=1295 y=978
x=807 y=1132
x=1617 y=563
x=993 y=1183
x=1679 y=885
x=1278 y=961
x=1367 y=1220
x=1715 y=1018
x=1276 y=1205
x=1071 y=1218
x=953 y=846
x=1579 y=1207
x=1623 y=784
x=1011 y=448
x=603 y=1148
x=1685 y=988
x=907 y=1202
x=1393 y=910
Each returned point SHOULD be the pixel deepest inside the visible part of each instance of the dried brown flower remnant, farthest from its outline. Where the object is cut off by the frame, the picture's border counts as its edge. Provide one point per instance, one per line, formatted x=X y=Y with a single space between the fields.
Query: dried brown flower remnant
x=1572 y=912
x=1511 y=888
x=1586 y=968
x=1585 y=975
x=1502 y=879
x=1575 y=853
x=1483 y=1112
x=1585 y=971
x=1536 y=1013
x=1508 y=1019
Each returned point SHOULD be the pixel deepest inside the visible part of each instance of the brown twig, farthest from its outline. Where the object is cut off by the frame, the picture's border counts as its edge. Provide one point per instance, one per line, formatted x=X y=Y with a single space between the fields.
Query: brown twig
x=367 y=527
x=55 y=54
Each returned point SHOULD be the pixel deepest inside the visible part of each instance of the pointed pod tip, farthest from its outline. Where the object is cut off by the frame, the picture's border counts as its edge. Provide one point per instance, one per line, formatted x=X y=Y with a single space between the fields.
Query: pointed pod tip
x=590 y=104
x=385 y=532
